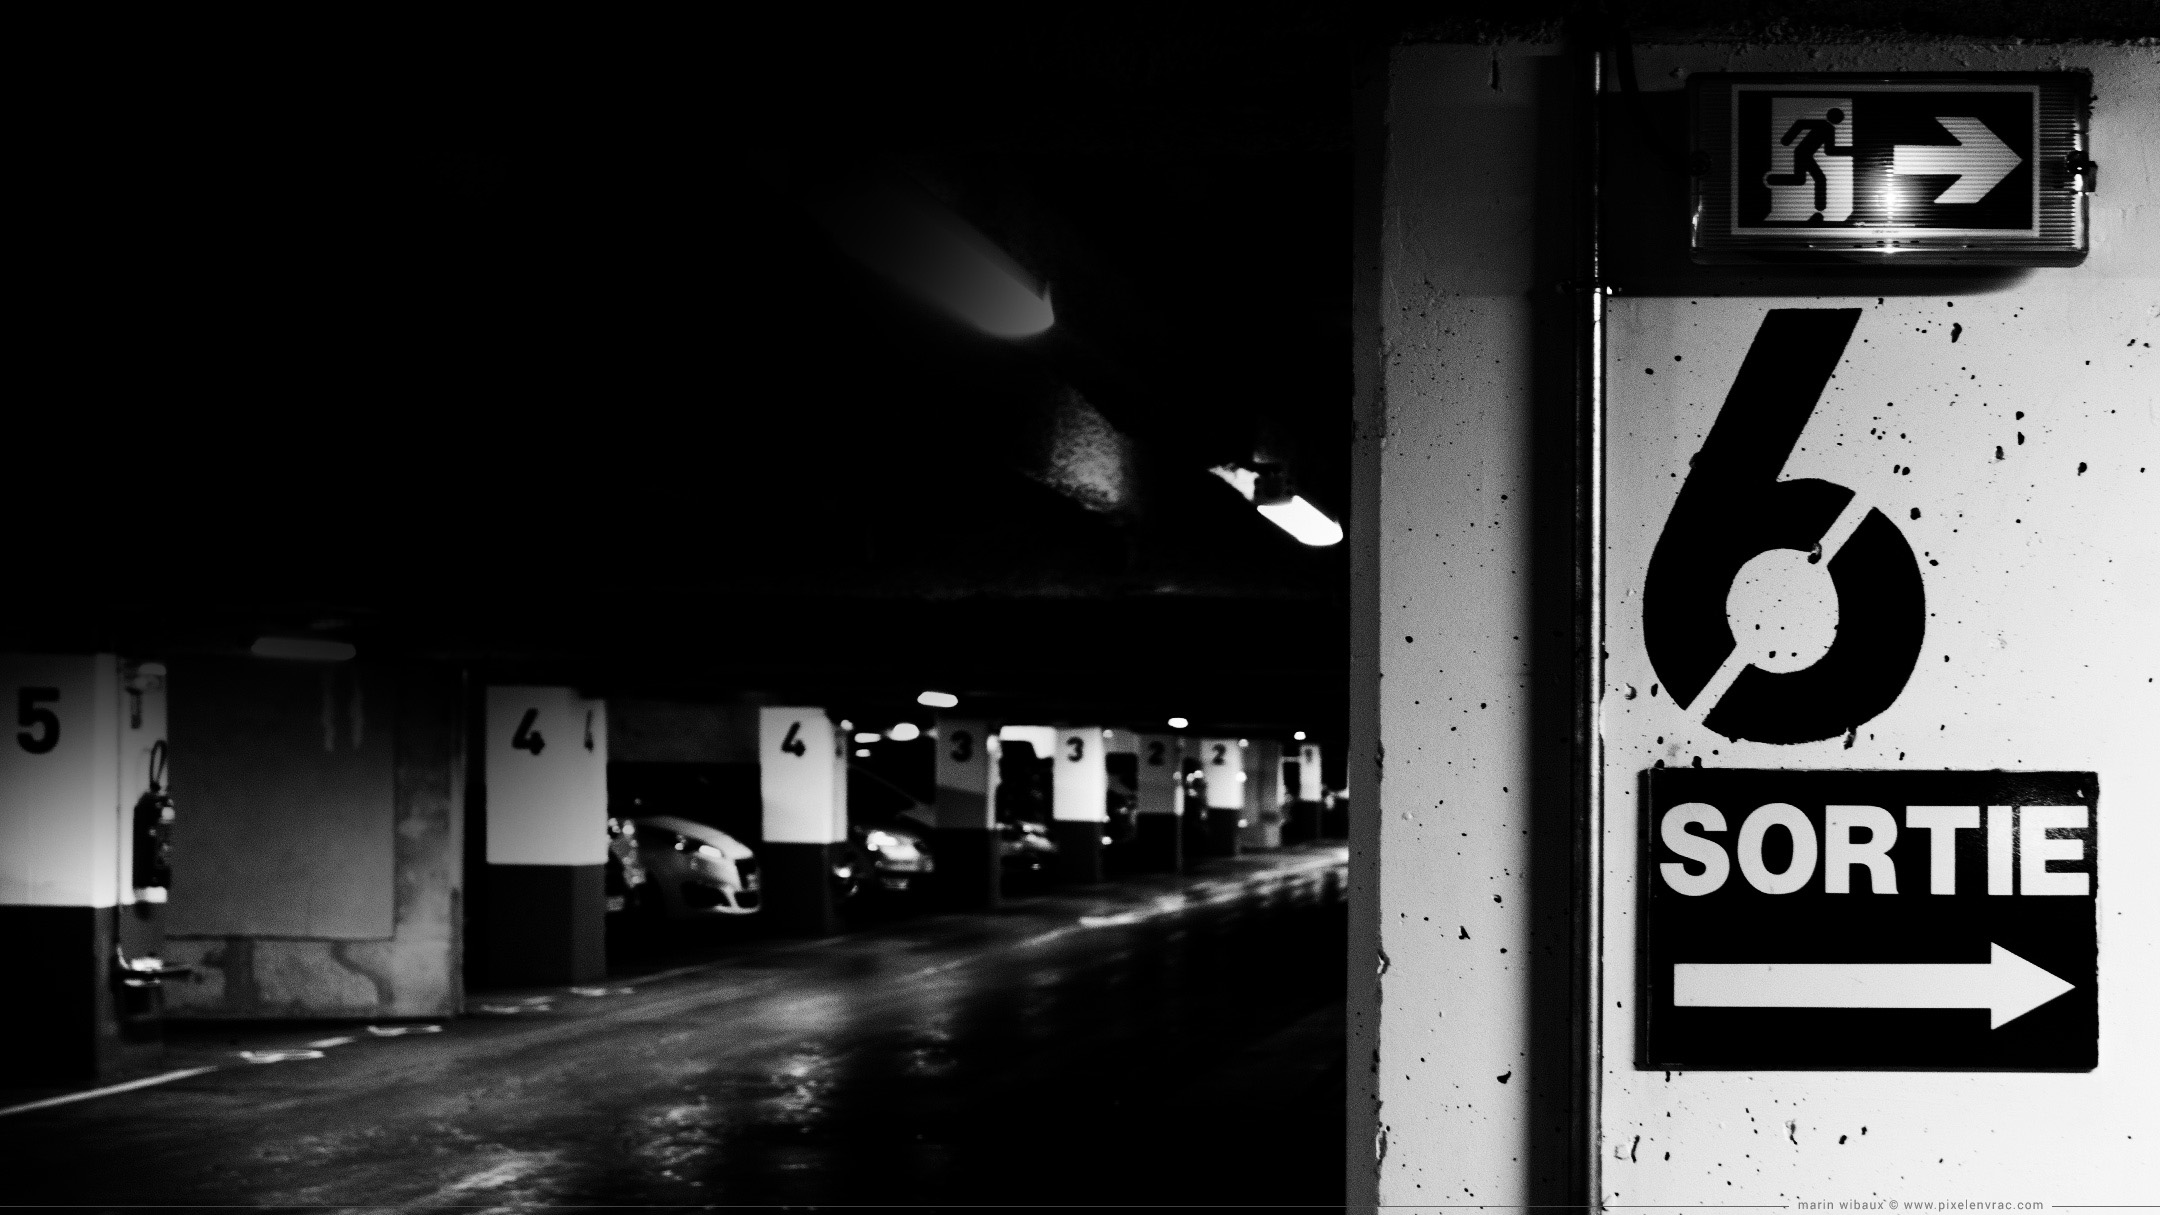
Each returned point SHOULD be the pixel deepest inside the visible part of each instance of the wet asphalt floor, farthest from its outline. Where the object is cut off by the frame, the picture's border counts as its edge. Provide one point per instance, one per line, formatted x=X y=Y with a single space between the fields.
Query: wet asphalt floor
x=1152 y=1041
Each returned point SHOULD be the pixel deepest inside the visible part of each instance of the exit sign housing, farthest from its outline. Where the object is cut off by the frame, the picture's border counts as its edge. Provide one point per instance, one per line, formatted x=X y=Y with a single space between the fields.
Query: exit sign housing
x=1929 y=169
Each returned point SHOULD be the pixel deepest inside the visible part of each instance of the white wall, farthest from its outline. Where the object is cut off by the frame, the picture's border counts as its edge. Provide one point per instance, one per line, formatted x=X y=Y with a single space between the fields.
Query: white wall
x=802 y=775
x=1222 y=762
x=2043 y=592
x=1080 y=782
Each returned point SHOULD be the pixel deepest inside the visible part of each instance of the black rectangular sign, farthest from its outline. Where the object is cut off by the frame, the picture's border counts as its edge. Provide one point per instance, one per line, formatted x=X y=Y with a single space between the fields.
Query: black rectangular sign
x=1869 y=920
x=1980 y=166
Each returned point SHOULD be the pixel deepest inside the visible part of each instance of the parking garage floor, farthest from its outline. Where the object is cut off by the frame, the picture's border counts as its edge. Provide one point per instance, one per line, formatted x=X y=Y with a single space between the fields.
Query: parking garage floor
x=1155 y=1040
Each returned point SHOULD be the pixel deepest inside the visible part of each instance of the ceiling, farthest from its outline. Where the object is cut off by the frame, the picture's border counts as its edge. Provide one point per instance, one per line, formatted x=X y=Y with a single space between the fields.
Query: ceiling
x=520 y=345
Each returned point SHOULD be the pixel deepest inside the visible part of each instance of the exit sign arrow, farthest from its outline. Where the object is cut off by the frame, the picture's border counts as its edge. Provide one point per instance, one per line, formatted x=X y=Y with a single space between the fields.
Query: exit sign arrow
x=2006 y=985
x=1979 y=159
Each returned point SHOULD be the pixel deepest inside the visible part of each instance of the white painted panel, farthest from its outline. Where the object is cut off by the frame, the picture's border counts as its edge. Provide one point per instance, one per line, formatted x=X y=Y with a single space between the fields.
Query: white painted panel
x=1309 y=788
x=1042 y=738
x=546 y=759
x=59 y=786
x=2022 y=424
x=801 y=776
x=1080 y=784
x=1161 y=792
x=1223 y=763
x=966 y=772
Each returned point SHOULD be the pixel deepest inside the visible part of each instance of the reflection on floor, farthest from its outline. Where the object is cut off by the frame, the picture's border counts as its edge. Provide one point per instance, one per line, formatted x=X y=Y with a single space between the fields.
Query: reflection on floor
x=1156 y=1040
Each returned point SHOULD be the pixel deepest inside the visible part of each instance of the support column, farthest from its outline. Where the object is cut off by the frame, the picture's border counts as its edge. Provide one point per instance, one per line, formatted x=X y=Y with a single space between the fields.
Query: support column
x=62 y=836
x=1302 y=795
x=965 y=841
x=546 y=765
x=1222 y=764
x=1158 y=846
x=1263 y=795
x=1079 y=785
x=802 y=779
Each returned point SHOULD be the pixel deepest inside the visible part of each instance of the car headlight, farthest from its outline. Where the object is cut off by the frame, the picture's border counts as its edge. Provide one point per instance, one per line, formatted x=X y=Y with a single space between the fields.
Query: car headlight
x=879 y=841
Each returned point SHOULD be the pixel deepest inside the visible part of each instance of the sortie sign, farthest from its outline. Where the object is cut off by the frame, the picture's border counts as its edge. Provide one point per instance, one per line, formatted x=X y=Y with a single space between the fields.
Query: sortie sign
x=1848 y=920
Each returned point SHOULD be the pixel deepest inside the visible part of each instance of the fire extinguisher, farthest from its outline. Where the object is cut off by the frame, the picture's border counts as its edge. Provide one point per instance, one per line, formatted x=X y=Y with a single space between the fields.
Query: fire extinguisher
x=153 y=833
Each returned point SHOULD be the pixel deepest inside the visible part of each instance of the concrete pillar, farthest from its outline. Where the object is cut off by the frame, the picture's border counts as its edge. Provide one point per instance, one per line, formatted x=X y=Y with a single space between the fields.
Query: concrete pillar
x=802 y=779
x=1263 y=794
x=1158 y=844
x=1222 y=765
x=1462 y=694
x=66 y=901
x=1302 y=795
x=1079 y=787
x=965 y=840
x=546 y=772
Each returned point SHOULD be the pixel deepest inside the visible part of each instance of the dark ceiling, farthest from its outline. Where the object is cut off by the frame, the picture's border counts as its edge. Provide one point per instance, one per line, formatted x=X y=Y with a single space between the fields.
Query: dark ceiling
x=518 y=344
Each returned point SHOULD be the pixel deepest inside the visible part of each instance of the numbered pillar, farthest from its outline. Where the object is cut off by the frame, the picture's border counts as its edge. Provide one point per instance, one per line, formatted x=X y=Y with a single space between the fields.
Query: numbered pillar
x=966 y=839
x=1263 y=795
x=68 y=904
x=546 y=774
x=802 y=778
x=1222 y=766
x=1301 y=790
x=1157 y=842
x=1079 y=803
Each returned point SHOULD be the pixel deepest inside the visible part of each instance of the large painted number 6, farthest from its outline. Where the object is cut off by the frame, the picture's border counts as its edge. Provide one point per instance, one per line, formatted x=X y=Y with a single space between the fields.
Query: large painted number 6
x=1733 y=507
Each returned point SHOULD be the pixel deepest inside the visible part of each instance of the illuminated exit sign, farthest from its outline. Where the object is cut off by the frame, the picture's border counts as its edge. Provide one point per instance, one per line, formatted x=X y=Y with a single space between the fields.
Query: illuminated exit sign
x=1919 y=169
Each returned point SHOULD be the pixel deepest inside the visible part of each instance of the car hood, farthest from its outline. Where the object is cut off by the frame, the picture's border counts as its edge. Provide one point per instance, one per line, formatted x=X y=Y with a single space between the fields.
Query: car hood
x=730 y=847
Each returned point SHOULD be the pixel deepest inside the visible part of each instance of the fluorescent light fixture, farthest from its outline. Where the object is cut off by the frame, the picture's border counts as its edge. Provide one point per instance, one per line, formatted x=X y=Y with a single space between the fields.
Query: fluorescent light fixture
x=938 y=700
x=1244 y=742
x=869 y=737
x=1178 y=723
x=862 y=752
x=306 y=649
x=1304 y=521
x=904 y=731
x=1300 y=736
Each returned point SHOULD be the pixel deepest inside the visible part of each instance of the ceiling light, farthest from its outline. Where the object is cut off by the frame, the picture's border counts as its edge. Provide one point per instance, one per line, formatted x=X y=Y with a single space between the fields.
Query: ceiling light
x=862 y=752
x=904 y=731
x=1300 y=736
x=1178 y=723
x=1304 y=521
x=938 y=700
x=306 y=649
x=869 y=737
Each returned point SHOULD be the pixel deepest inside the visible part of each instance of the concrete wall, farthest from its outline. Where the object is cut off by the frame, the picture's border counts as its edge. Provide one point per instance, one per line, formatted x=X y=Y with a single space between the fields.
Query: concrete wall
x=315 y=967
x=2041 y=569
x=678 y=732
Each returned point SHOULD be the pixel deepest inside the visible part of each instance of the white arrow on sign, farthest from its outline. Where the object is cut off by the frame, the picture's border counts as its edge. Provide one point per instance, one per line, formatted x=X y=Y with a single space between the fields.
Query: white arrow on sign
x=2006 y=985
x=1979 y=159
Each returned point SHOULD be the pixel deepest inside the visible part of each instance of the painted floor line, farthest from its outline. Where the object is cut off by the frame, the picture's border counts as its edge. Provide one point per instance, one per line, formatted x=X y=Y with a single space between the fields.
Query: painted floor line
x=108 y=1090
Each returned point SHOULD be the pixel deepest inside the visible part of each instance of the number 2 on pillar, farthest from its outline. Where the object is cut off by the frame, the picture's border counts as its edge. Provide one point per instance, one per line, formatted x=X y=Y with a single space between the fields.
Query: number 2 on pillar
x=1733 y=507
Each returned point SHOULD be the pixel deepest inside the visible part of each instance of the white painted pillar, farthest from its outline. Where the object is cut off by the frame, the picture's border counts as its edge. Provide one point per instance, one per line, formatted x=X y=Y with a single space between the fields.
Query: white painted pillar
x=1079 y=787
x=1160 y=840
x=966 y=844
x=802 y=778
x=545 y=761
x=62 y=835
x=1222 y=766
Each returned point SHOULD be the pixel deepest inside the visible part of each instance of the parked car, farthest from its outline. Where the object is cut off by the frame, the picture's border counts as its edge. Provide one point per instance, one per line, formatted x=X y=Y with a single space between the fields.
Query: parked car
x=678 y=869
x=888 y=852
x=1025 y=851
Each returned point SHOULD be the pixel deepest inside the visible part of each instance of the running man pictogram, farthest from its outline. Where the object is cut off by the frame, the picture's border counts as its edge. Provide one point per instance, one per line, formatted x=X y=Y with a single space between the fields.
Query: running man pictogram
x=1818 y=137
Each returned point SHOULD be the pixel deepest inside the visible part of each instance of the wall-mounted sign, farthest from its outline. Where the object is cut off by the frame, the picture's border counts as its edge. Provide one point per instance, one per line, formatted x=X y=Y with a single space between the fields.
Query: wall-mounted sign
x=1891 y=920
x=1978 y=167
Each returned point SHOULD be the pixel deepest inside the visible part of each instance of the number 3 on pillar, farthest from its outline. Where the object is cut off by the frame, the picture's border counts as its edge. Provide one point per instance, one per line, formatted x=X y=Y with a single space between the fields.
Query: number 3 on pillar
x=1733 y=507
